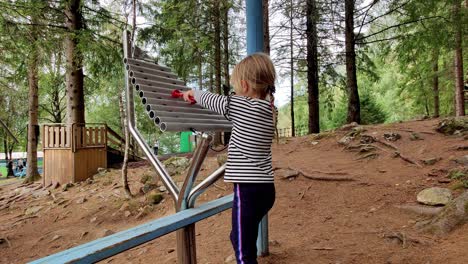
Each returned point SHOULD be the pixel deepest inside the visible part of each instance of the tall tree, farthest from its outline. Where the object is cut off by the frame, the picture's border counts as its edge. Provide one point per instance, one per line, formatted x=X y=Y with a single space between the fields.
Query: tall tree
x=266 y=26
x=74 y=61
x=217 y=56
x=226 y=86
x=291 y=64
x=32 y=173
x=435 y=82
x=354 y=108
x=312 y=66
x=458 y=59
x=225 y=35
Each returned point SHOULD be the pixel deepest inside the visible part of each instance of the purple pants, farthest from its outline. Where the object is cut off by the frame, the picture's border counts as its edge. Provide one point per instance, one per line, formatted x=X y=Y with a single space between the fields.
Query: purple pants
x=251 y=202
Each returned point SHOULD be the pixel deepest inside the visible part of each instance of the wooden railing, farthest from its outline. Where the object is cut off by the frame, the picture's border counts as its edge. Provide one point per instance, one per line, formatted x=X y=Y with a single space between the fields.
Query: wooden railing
x=58 y=136
x=82 y=136
x=287 y=132
x=117 y=142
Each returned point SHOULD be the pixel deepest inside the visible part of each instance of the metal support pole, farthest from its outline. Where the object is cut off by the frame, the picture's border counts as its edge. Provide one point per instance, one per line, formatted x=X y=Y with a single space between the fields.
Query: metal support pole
x=255 y=44
x=254 y=26
x=131 y=124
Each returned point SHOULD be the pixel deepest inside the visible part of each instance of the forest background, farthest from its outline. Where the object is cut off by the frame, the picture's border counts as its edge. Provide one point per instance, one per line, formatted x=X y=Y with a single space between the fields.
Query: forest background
x=338 y=61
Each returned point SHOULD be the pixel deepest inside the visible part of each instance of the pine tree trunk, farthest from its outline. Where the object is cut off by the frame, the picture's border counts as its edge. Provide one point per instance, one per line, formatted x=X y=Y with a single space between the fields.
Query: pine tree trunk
x=5 y=148
x=312 y=66
x=227 y=135
x=354 y=109
x=266 y=27
x=435 y=83
x=74 y=69
x=217 y=43
x=32 y=173
x=56 y=104
x=458 y=60
x=123 y=123
x=291 y=72
x=211 y=80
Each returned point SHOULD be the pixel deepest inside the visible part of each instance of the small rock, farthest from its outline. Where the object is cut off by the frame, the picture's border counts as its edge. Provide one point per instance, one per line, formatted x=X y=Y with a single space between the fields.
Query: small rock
x=176 y=165
x=372 y=210
x=170 y=250
x=145 y=178
x=92 y=220
x=155 y=198
x=56 y=237
x=82 y=200
x=230 y=258
x=435 y=196
x=462 y=160
x=219 y=196
x=102 y=171
x=415 y=136
x=106 y=232
x=392 y=136
x=313 y=143
x=345 y=140
x=67 y=186
x=162 y=188
x=127 y=213
x=89 y=181
x=444 y=180
x=40 y=194
x=33 y=210
x=431 y=161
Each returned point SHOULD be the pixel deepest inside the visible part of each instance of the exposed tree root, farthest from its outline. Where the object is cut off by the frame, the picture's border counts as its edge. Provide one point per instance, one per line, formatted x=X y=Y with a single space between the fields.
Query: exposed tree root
x=398 y=155
x=402 y=238
x=453 y=214
x=296 y=172
x=420 y=210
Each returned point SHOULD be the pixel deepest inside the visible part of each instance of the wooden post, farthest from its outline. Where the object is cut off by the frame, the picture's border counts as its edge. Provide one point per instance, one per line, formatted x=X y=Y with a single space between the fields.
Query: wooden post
x=186 y=246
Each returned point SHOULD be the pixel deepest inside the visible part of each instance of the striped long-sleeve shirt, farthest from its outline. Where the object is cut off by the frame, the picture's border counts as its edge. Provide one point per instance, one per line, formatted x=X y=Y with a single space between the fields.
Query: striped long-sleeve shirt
x=249 y=151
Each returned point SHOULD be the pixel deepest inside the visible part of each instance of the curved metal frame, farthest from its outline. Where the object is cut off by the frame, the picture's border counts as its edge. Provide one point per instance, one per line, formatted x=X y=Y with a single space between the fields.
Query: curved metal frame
x=184 y=197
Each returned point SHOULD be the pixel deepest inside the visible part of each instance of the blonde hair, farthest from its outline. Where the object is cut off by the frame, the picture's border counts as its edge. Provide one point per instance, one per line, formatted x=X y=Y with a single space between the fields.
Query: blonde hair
x=259 y=72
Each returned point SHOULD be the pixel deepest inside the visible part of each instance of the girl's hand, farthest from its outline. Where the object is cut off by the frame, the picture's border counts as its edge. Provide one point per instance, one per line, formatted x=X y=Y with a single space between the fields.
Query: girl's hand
x=188 y=95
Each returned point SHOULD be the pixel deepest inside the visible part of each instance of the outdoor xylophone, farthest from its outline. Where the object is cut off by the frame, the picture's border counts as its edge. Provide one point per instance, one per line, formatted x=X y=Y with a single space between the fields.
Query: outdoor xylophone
x=159 y=90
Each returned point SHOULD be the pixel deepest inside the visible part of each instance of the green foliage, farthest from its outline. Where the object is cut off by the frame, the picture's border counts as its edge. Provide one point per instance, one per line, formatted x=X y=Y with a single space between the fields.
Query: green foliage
x=333 y=109
x=460 y=175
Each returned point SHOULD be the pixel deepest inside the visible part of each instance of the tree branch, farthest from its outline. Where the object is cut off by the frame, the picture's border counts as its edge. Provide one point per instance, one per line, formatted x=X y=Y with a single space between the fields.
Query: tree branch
x=397 y=26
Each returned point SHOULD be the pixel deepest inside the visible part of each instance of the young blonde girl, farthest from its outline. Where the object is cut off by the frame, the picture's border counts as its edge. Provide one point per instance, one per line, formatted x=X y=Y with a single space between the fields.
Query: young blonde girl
x=248 y=167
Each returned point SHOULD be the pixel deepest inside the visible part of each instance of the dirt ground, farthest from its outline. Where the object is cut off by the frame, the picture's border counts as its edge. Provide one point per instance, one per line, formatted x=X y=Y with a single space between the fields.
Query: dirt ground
x=313 y=221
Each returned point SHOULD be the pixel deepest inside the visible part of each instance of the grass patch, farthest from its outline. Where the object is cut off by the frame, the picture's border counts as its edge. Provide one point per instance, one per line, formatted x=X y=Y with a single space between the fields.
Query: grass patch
x=460 y=175
x=3 y=171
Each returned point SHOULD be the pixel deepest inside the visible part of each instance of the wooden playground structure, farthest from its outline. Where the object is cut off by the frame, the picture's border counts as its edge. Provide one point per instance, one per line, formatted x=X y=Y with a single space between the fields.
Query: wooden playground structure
x=74 y=152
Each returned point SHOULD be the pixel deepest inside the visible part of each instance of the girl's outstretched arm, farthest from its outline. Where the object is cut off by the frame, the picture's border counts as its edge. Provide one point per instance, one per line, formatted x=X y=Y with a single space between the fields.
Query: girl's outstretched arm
x=214 y=102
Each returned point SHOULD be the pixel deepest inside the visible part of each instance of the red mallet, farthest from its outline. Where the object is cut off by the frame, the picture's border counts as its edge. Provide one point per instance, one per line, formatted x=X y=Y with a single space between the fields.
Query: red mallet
x=179 y=94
